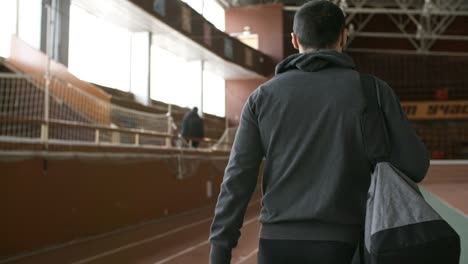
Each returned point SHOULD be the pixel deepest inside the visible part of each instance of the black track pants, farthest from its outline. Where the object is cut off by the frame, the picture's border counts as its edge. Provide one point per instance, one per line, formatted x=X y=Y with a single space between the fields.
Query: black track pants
x=304 y=252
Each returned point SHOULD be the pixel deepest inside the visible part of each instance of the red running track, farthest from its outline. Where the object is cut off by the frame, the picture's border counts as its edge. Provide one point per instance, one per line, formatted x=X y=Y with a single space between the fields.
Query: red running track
x=184 y=238
x=176 y=239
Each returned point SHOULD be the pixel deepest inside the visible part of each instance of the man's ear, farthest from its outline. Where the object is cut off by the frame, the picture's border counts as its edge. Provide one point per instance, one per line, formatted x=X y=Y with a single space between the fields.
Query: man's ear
x=294 y=40
x=343 y=39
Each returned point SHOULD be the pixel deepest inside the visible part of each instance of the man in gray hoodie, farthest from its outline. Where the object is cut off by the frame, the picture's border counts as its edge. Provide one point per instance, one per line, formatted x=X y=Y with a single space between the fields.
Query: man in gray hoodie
x=305 y=123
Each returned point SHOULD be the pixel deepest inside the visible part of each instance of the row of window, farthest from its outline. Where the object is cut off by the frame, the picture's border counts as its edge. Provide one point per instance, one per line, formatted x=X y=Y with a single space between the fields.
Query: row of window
x=101 y=52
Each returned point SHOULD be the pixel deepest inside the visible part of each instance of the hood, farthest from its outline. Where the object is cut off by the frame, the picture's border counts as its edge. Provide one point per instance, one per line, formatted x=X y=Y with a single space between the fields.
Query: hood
x=315 y=61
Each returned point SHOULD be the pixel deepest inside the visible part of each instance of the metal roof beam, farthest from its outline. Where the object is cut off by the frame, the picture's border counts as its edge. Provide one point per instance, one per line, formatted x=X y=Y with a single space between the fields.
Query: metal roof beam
x=396 y=11
x=410 y=36
x=409 y=52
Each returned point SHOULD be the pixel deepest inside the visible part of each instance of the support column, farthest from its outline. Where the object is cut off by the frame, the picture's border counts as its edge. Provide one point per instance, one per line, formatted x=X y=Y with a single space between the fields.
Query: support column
x=17 y=18
x=202 y=84
x=60 y=12
x=140 y=71
x=226 y=101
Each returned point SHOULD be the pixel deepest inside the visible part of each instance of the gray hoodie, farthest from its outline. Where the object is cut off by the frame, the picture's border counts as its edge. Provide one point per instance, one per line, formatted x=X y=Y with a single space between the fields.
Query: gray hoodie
x=305 y=123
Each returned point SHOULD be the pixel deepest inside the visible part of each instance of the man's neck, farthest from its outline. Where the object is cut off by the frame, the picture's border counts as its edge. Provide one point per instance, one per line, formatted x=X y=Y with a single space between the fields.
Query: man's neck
x=302 y=50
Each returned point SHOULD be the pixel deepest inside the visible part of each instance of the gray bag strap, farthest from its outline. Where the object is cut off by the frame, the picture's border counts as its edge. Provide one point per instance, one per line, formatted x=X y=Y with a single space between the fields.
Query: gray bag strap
x=369 y=89
x=373 y=123
x=374 y=135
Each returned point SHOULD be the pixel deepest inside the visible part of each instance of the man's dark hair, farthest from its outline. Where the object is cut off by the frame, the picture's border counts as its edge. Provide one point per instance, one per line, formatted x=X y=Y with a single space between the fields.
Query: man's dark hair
x=318 y=24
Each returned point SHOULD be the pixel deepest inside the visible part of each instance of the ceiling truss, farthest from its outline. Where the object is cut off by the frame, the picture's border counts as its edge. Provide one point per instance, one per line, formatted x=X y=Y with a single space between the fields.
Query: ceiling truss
x=421 y=22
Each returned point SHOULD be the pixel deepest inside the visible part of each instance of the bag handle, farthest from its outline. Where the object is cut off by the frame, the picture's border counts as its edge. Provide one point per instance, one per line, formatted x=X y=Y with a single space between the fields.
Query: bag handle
x=374 y=134
x=373 y=125
x=369 y=88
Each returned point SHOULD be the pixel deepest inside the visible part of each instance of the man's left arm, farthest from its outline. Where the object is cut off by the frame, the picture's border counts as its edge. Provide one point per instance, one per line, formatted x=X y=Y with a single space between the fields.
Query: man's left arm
x=238 y=185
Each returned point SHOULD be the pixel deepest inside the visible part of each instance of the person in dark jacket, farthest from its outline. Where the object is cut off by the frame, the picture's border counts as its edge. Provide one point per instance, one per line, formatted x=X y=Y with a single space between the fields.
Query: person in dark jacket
x=305 y=123
x=192 y=127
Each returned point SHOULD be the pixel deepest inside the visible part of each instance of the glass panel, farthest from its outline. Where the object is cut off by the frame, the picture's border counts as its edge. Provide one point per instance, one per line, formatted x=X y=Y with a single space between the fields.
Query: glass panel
x=30 y=22
x=175 y=80
x=8 y=25
x=212 y=11
x=97 y=57
x=214 y=94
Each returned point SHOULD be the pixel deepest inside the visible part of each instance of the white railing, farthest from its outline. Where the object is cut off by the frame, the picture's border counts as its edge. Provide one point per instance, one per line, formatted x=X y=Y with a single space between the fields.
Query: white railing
x=74 y=115
x=226 y=140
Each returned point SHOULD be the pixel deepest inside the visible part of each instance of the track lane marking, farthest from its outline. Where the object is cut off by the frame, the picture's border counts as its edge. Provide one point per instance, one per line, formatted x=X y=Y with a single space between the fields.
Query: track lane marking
x=117 y=232
x=150 y=239
x=183 y=252
x=192 y=248
x=251 y=254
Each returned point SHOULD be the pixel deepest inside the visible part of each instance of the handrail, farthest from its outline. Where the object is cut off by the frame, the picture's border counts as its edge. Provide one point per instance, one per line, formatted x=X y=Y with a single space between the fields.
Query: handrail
x=74 y=124
x=73 y=109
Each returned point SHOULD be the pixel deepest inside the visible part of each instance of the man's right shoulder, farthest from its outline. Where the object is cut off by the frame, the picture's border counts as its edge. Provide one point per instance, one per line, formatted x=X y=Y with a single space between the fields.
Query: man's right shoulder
x=275 y=82
x=385 y=90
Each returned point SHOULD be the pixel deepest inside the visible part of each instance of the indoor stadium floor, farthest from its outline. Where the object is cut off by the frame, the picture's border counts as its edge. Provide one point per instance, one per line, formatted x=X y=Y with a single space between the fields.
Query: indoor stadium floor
x=183 y=238
x=446 y=189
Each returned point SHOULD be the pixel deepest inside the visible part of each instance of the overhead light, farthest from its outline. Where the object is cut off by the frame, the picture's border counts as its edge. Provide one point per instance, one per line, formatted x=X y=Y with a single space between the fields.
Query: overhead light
x=351 y=29
x=427 y=8
x=419 y=32
x=343 y=5
x=246 y=30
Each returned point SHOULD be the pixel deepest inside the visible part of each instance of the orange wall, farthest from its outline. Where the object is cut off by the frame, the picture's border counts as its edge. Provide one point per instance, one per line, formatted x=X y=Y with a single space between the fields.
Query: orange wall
x=268 y=26
x=45 y=202
x=237 y=92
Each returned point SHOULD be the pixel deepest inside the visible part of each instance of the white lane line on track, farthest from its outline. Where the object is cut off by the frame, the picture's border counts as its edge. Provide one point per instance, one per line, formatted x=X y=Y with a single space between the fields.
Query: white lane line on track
x=244 y=259
x=183 y=252
x=449 y=162
x=106 y=235
x=150 y=239
x=444 y=202
x=187 y=250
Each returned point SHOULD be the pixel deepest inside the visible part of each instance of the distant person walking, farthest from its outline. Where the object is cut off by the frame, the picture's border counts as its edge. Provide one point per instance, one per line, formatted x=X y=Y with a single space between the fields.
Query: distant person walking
x=305 y=123
x=192 y=127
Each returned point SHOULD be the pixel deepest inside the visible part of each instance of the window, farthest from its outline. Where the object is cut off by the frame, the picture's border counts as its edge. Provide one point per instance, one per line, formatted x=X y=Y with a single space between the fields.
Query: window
x=175 y=80
x=212 y=11
x=8 y=28
x=29 y=23
x=30 y=13
x=214 y=94
x=99 y=51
